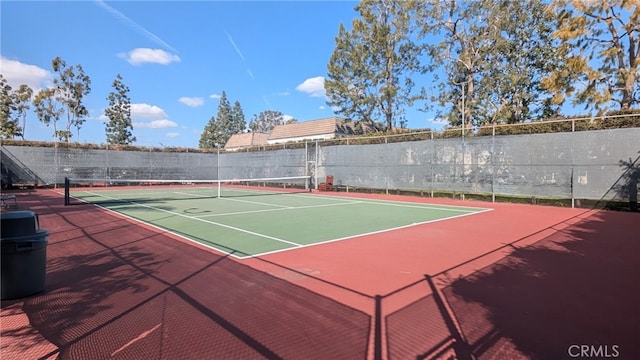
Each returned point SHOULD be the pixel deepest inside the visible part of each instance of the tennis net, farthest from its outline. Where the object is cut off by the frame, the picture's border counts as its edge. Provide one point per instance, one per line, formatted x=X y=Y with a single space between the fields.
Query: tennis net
x=104 y=191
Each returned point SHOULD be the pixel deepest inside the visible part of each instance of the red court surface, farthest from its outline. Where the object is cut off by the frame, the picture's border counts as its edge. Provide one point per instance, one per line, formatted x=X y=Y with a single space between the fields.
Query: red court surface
x=520 y=281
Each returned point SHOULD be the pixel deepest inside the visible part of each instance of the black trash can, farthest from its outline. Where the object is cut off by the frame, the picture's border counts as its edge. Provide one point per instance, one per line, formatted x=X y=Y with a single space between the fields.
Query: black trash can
x=24 y=255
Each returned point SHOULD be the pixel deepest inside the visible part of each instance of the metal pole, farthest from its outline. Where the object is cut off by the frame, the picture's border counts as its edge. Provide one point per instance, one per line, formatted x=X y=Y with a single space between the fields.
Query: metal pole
x=66 y=191
x=433 y=150
x=493 y=163
x=218 y=171
x=315 y=170
x=463 y=110
x=306 y=165
x=106 y=175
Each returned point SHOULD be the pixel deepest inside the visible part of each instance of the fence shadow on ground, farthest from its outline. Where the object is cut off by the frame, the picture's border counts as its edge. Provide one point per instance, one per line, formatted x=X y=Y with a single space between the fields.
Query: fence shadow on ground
x=133 y=293
x=119 y=290
x=577 y=287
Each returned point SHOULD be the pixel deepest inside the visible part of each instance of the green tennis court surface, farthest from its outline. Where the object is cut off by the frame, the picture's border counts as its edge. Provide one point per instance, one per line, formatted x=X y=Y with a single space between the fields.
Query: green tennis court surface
x=252 y=222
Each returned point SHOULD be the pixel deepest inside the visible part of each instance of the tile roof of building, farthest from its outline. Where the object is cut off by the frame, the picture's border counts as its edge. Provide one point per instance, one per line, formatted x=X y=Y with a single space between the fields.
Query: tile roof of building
x=331 y=125
x=246 y=140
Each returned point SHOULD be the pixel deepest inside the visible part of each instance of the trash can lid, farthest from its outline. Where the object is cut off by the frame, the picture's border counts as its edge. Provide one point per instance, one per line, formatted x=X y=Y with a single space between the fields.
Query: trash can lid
x=18 y=223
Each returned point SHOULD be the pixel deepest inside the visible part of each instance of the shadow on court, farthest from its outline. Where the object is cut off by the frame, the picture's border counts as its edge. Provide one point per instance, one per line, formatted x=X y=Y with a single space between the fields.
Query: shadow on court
x=578 y=287
x=117 y=290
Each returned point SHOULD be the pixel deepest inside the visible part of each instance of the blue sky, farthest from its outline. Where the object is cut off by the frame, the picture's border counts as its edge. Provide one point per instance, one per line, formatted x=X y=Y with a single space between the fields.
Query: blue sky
x=177 y=58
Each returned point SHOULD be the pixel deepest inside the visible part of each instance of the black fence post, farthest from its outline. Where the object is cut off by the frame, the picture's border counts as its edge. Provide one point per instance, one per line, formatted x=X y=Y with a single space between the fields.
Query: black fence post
x=377 y=331
x=66 y=191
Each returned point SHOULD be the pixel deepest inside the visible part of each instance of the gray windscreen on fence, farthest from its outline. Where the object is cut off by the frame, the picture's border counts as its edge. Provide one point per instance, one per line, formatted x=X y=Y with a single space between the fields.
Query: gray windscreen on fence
x=262 y=164
x=598 y=165
x=513 y=165
x=52 y=165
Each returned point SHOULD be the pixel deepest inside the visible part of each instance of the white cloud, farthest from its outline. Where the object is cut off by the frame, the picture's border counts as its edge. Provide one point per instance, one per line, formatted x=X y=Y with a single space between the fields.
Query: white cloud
x=321 y=107
x=145 y=55
x=287 y=117
x=147 y=111
x=313 y=86
x=17 y=73
x=172 y=135
x=191 y=101
x=215 y=96
x=155 y=124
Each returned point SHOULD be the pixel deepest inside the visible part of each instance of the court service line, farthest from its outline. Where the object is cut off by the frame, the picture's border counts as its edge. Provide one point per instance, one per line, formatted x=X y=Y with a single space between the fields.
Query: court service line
x=280 y=209
x=238 y=200
x=371 y=233
x=258 y=203
x=454 y=208
x=203 y=220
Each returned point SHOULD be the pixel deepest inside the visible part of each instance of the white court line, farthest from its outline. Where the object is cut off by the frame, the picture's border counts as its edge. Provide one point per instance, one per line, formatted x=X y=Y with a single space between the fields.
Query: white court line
x=192 y=194
x=202 y=220
x=257 y=203
x=238 y=200
x=296 y=245
x=369 y=233
x=164 y=230
x=288 y=208
x=455 y=208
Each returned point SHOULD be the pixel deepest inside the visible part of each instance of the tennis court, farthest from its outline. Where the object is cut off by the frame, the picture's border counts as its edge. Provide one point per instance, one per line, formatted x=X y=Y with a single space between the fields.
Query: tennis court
x=249 y=220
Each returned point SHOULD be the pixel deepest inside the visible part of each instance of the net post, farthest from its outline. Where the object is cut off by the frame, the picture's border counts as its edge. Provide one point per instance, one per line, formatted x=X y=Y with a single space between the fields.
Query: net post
x=219 y=187
x=66 y=191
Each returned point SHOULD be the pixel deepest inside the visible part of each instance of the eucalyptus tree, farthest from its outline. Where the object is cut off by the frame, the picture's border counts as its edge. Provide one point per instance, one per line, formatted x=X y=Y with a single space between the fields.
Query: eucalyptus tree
x=370 y=73
x=22 y=100
x=521 y=54
x=48 y=110
x=602 y=43
x=71 y=86
x=119 y=127
x=461 y=42
x=464 y=34
x=8 y=126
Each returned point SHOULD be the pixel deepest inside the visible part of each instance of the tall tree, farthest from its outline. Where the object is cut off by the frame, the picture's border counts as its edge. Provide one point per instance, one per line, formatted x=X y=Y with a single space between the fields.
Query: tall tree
x=370 y=71
x=522 y=53
x=119 y=127
x=238 y=123
x=71 y=86
x=211 y=135
x=267 y=120
x=466 y=39
x=602 y=42
x=22 y=100
x=48 y=110
x=228 y=121
x=8 y=126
